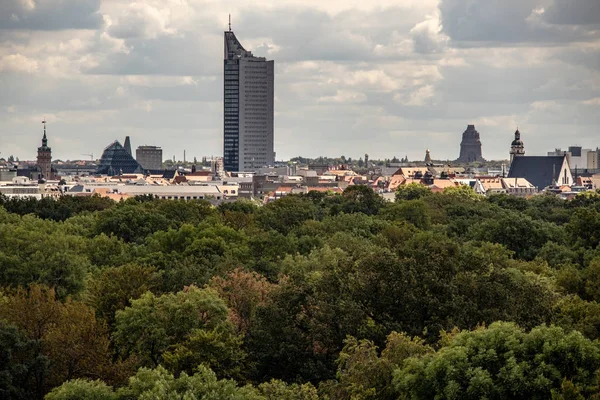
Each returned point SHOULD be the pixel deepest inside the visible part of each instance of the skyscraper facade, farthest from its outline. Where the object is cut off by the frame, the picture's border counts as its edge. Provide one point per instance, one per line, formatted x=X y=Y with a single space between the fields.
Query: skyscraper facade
x=248 y=108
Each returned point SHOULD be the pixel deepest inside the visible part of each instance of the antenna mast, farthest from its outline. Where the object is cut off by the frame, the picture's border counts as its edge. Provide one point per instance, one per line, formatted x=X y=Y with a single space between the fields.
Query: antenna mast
x=229 y=22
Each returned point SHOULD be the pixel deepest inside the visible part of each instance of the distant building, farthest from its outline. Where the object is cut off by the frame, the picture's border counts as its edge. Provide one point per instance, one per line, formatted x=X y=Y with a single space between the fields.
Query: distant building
x=116 y=160
x=44 y=158
x=542 y=171
x=470 y=146
x=517 y=148
x=519 y=187
x=217 y=167
x=593 y=159
x=427 y=157
x=149 y=157
x=7 y=173
x=579 y=158
x=248 y=108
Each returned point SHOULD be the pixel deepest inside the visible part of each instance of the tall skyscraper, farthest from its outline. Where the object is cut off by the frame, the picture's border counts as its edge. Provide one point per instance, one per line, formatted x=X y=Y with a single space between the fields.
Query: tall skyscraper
x=248 y=108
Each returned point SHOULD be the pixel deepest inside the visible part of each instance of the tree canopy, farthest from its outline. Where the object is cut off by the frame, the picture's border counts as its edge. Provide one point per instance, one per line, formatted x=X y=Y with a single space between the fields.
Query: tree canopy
x=311 y=296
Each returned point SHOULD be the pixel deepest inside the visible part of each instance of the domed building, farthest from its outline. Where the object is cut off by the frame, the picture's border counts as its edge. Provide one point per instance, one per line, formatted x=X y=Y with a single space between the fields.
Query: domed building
x=517 y=148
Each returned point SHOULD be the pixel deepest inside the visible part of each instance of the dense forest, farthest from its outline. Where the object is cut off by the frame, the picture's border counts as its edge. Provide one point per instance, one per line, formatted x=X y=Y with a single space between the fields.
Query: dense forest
x=339 y=297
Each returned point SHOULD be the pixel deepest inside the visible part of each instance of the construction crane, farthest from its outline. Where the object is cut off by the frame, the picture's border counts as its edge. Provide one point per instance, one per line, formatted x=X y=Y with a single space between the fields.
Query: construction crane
x=91 y=156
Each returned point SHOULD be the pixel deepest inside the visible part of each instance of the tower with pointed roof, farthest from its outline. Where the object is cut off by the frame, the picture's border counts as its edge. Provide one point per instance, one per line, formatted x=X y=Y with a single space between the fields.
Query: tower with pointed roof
x=517 y=148
x=427 y=157
x=44 y=157
x=127 y=145
x=247 y=107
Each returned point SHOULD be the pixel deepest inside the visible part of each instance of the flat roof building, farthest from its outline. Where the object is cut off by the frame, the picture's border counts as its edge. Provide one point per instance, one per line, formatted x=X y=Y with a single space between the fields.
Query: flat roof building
x=149 y=157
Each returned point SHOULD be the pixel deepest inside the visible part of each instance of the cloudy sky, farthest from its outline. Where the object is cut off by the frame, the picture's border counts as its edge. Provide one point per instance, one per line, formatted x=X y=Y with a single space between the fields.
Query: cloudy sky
x=384 y=77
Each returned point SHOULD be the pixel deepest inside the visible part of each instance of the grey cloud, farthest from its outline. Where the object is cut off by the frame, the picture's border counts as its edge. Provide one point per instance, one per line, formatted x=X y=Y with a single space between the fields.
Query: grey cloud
x=505 y=22
x=305 y=34
x=50 y=14
x=573 y=12
x=298 y=34
x=486 y=20
x=317 y=56
x=202 y=90
x=59 y=94
x=186 y=54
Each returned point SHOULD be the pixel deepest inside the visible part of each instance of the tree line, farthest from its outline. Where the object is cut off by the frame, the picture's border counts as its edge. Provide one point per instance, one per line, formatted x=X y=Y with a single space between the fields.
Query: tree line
x=316 y=296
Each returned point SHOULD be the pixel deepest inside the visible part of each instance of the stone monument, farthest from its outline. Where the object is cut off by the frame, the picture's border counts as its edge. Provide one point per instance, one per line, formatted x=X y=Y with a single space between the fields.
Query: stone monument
x=470 y=147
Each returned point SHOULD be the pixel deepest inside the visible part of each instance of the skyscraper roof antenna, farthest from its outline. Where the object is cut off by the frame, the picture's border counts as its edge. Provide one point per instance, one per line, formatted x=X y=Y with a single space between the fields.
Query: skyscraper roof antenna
x=229 y=22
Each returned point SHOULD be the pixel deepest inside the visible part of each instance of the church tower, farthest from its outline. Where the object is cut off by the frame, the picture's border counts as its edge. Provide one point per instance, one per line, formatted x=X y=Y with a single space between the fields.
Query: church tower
x=517 y=148
x=427 y=157
x=44 y=157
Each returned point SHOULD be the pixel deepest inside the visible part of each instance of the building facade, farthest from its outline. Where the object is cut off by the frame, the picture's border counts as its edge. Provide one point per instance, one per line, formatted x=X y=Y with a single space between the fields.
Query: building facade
x=593 y=159
x=248 y=108
x=470 y=146
x=149 y=157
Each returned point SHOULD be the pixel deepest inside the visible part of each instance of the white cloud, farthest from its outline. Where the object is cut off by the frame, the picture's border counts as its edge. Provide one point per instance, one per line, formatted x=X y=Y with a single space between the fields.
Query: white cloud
x=421 y=96
x=344 y=96
x=406 y=74
x=18 y=63
x=592 y=102
x=427 y=35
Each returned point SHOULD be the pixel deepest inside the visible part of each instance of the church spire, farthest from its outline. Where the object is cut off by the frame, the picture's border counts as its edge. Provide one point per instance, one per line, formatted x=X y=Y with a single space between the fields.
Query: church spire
x=44 y=138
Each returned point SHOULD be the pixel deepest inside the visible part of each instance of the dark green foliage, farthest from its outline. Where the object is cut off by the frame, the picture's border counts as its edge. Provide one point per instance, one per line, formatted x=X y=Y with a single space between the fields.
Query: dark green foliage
x=502 y=362
x=132 y=223
x=56 y=209
x=571 y=312
x=518 y=233
x=584 y=228
x=20 y=364
x=113 y=289
x=286 y=214
x=415 y=212
x=509 y=202
x=190 y=319
x=37 y=251
x=309 y=291
x=361 y=199
x=412 y=191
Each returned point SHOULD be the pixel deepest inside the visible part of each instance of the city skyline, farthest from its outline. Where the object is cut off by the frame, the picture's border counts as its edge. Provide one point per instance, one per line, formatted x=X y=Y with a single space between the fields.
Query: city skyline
x=389 y=79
